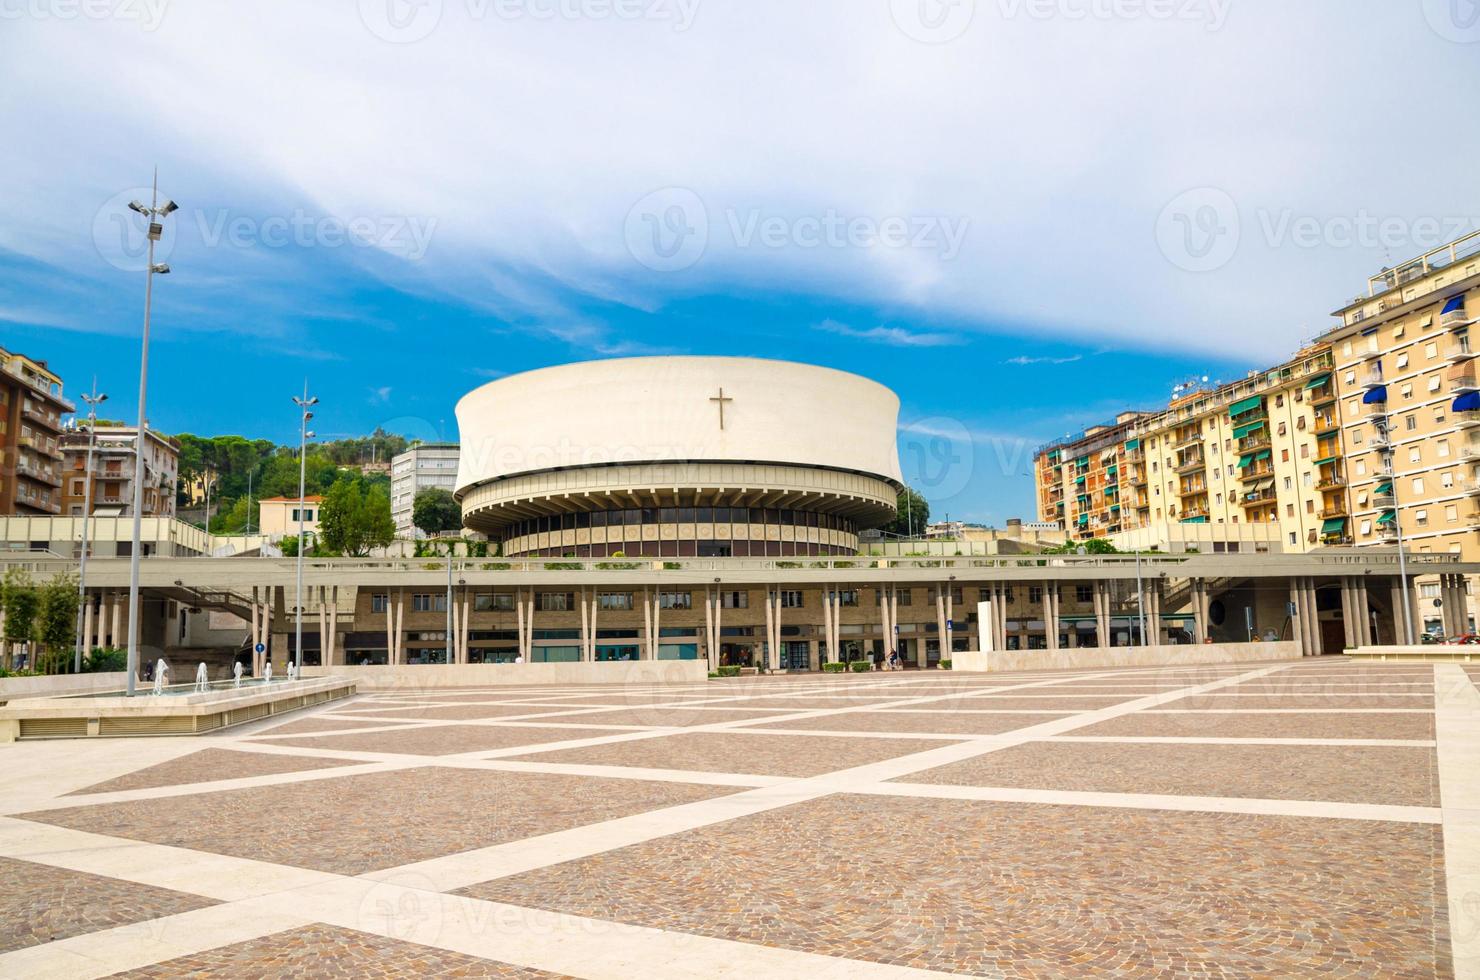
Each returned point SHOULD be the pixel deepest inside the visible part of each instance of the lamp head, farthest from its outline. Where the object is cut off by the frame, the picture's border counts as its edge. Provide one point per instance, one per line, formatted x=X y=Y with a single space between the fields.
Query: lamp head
x=160 y=269
x=136 y=206
x=167 y=208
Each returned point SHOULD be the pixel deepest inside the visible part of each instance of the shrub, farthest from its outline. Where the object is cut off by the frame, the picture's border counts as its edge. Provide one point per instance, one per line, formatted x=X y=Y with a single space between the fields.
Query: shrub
x=860 y=666
x=728 y=672
x=713 y=674
x=945 y=665
x=101 y=660
x=833 y=667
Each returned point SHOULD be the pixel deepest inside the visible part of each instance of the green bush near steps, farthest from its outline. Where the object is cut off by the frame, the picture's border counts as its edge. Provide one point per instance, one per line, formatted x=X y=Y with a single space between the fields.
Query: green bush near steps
x=834 y=668
x=728 y=672
x=860 y=666
x=945 y=665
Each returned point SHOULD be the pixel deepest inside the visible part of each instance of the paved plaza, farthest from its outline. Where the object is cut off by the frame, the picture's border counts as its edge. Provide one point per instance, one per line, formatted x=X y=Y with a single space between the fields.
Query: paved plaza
x=1290 y=819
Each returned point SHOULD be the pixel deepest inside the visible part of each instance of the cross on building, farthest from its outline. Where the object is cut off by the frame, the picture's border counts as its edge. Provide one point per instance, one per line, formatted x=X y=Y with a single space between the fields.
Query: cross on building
x=720 y=400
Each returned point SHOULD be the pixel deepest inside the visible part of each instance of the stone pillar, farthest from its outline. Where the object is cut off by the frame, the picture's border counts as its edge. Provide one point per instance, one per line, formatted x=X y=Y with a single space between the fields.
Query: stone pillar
x=770 y=652
x=1364 y=618
x=586 y=631
x=324 y=658
x=711 y=648
x=400 y=635
x=948 y=651
x=942 y=634
x=454 y=645
x=1153 y=612
x=1049 y=601
x=1199 y=611
x=827 y=625
x=116 y=638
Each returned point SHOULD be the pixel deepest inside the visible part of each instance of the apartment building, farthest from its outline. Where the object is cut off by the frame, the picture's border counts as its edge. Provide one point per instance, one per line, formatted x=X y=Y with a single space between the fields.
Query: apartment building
x=427 y=466
x=31 y=411
x=1406 y=377
x=113 y=471
x=1266 y=450
x=1087 y=483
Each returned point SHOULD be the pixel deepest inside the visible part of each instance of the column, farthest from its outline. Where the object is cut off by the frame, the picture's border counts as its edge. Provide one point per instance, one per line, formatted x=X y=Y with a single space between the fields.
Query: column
x=711 y=649
x=657 y=625
x=1153 y=617
x=947 y=652
x=586 y=625
x=1364 y=616
x=1199 y=611
x=1048 y=599
x=400 y=626
x=390 y=628
x=324 y=659
x=940 y=626
x=770 y=653
x=467 y=610
x=827 y=625
x=117 y=639
x=454 y=644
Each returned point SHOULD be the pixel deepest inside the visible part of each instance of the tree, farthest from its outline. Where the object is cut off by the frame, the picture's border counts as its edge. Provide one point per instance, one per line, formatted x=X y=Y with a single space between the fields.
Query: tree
x=434 y=511
x=912 y=516
x=19 y=600
x=352 y=522
x=55 y=626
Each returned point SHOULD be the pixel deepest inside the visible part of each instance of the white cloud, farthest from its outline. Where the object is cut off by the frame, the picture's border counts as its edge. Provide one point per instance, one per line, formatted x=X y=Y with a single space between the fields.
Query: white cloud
x=892 y=336
x=1049 y=147
x=1023 y=360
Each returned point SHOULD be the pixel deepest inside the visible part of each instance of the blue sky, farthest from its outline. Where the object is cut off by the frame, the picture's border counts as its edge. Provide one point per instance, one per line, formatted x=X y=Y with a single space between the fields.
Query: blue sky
x=1022 y=216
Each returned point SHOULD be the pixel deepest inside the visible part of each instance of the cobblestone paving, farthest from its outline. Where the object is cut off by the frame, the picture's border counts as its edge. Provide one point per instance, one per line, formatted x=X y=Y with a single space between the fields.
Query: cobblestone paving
x=1033 y=702
x=915 y=722
x=41 y=904
x=354 y=824
x=1212 y=724
x=764 y=755
x=462 y=712
x=660 y=716
x=1024 y=890
x=1397 y=775
x=327 y=951
x=208 y=765
x=323 y=723
x=1240 y=702
x=442 y=739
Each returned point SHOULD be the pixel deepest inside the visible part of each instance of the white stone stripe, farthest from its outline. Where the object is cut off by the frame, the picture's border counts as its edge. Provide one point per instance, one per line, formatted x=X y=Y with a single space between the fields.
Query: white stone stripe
x=1176 y=740
x=1457 y=726
x=130 y=947
x=1290 y=711
x=180 y=869
x=1151 y=801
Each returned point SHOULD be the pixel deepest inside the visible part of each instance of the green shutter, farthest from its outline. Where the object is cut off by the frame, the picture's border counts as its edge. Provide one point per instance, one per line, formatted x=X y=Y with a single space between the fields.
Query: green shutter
x=1247 y=405
x=1388 y=517
x=1317 y=381
x=1334 y=525
x=1244 y=430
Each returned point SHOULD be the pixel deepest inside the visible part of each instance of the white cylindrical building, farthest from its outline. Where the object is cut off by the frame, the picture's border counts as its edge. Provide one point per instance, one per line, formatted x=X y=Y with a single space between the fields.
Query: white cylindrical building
x=680 y=457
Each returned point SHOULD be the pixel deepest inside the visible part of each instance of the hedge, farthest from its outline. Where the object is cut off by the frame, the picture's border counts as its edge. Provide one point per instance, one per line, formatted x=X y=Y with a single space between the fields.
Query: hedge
x=728 y=671
x=945 y=665
x=834 y=668
x=860 y=666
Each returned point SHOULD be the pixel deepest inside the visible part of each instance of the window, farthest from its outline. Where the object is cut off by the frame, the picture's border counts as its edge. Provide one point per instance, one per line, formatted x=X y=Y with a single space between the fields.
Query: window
x=614 y=601
x=1431 y=350
x=846 y=597
x=493 y=601
x=1446 y=480
x=1451 y=513
x=1402 y=361
x=429 y=602
x=1406 y=391
x=1366 y=528
x=1421 y=518
x=1442 y=448
x=555 y=601
x=734 y=600
x=1410 y=422
x=1035 y=593
x=380 y=602
x=791 y=599
x=1083 y=593
x=1418 y=486
x=1435 y=382
x=675 y=600
x=1415 y=455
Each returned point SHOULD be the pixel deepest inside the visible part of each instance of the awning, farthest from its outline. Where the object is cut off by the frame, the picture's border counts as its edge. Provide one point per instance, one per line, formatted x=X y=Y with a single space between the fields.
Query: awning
x=1456 y=304
x=1244 y=430
x=1468 y=402
x=1328 y=459
x=1247 y=405
x=1388 y=517
x=1132 y=444
x=1334 y=525
x=1383 y=489
x=1253 y=458
x=1261 y=486
x=1079 y=479
x=1317 y=381
x=1377 y=396
x=1083 y=519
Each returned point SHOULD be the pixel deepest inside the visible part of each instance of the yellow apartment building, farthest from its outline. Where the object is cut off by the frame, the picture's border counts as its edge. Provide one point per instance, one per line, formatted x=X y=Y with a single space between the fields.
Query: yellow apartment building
x=1406 y=377
x=1088 y=483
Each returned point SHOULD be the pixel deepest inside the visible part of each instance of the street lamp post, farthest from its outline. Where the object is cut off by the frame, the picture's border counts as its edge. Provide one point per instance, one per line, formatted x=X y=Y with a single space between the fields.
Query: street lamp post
x=93 y=401
x=304 y=404
x=155 y=214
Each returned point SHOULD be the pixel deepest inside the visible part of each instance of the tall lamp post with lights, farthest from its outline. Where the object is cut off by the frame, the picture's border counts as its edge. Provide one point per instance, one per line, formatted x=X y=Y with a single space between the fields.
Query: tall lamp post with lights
x=93 y=401
x=304 y=404
x=155 y=214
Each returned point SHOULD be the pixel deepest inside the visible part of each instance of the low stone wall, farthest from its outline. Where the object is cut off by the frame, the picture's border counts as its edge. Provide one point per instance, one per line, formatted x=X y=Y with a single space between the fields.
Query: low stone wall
x=1429 y=652
x=412 y=677
x=1157 y=656
x=57 y=685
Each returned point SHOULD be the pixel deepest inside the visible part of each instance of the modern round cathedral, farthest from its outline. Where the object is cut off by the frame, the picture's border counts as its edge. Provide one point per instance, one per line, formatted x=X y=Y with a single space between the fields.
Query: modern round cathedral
x=678 y=457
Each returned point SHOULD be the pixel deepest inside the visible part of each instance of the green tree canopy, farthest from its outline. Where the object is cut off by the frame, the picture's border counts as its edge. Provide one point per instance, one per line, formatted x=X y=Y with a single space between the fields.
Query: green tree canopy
x=434 y=511
x=351 y=521
x=912 y=516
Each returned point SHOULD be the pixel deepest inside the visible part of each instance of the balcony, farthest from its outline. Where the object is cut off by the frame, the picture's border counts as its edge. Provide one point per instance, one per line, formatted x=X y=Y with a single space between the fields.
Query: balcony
x=1375 y=410
x=1200 y=490
x=1187 y=439
x=1380 y=438
x=1325 y=424
x=1260 y=499
x=1136 y=456
x=1453 y=320
x=1334 y=482
x=1374 y=379
x=1386 y=532
x=1193 y=513
x=1466 y=419
x=1459 y=353
x=36 y=413
x=1323 y=395
x=1332 y=511
x=1470 y=451
x=1372 y=354
x=1256 y=472
x=1138 y=478
x=1191 y=465
x=1463 y=385
x=1253 y=443
x=1471 y=488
